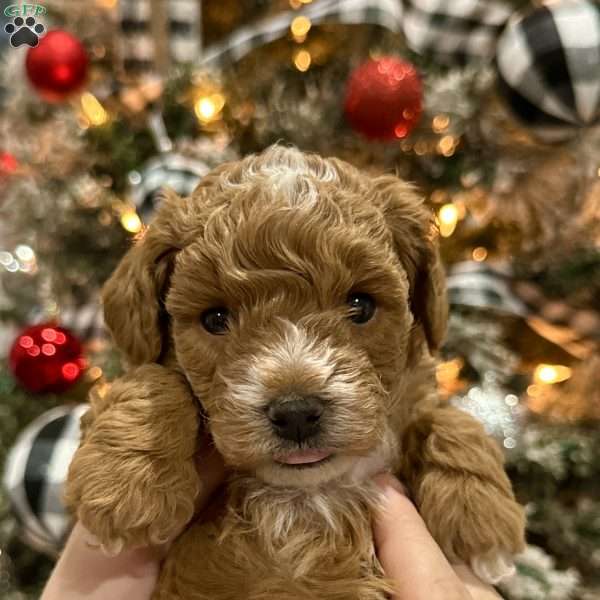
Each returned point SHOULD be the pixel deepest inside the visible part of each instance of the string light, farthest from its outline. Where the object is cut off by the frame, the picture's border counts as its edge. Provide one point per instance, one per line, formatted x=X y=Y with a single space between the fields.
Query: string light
x=94 y=373
x=440 y=123
x=447 y=218
x=208 y=108
x=92 y=110
x=479 y=254
x=302 y=60
x=447 y=145
x=551 y=374
x=131 y=222
x=300 y=27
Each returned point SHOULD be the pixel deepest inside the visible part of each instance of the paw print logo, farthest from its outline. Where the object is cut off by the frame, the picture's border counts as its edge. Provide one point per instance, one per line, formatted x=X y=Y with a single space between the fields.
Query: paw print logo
x=24 y=31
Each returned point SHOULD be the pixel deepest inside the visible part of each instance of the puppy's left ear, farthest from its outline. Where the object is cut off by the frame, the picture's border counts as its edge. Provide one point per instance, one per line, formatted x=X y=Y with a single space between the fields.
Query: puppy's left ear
x=414 y=234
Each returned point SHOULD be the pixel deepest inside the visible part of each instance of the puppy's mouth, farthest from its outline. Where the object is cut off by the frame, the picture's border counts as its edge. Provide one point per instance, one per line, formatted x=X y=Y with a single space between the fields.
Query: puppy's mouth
x=303 y=459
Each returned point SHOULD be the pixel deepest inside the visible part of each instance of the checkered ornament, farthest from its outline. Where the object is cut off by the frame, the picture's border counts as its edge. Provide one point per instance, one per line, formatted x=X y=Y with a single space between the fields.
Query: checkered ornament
x=549 y=67
x=35 y=473
x=477 y=285
x=174 y=171
x=454 y=31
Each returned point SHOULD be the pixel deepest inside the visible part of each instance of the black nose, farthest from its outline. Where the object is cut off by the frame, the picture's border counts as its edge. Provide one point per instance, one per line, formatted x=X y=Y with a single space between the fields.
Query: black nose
x=296 y=417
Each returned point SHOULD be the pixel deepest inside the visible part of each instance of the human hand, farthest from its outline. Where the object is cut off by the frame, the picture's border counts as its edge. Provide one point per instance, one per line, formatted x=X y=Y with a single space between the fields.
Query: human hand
x=83 y=571
x=411 y=557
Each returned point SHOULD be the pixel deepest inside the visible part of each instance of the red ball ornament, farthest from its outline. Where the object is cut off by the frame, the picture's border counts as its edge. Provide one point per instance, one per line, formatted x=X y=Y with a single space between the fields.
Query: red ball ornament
x=57 y=66
x=8 y=165
x=384 y=98
x=46 y=358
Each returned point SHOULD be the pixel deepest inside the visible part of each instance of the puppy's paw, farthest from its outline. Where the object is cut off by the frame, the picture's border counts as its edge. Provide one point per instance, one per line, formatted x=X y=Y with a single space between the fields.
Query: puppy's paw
x=493 y=568
x=150 y=506
x=133 y=480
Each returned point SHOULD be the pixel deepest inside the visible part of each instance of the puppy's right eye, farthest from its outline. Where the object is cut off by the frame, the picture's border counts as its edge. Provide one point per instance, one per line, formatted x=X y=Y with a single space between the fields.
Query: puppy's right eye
x=215 y=320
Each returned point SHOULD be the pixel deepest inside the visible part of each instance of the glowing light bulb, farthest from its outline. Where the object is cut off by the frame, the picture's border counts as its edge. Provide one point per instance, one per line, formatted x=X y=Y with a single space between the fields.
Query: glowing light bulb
x=208 y=108
x=440 y=123
x=300 y=27
x=447 y=218
x=479 y=254
x=302 y=60
x=92 y=110
x=551 y=374
x=131 y=222
x=447 y=145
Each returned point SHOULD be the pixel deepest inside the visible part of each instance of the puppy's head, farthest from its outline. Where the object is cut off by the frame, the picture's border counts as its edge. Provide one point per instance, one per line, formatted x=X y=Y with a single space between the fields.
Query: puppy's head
x=296 y=294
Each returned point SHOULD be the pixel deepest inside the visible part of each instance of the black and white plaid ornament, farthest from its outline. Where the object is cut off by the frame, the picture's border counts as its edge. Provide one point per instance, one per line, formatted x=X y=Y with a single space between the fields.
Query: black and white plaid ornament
x=477 y=285
x=549 y=67
x=171 y=170
x=454 y=31
x=35 y=472
x=157 y=33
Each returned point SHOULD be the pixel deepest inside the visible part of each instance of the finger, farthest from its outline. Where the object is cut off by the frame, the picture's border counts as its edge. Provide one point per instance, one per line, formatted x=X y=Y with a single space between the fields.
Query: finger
x=211 y=470
x=85 y=572
x=408 y=553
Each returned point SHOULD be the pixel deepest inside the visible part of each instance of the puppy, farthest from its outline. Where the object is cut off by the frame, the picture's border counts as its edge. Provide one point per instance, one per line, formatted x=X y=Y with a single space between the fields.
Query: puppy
x=291 y=307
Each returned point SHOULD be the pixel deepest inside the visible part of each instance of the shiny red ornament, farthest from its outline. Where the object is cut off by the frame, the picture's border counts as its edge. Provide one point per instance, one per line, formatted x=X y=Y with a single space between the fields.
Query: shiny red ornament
x=8 y=164
x=384 y=98
x=57 y=66
x=46 y=358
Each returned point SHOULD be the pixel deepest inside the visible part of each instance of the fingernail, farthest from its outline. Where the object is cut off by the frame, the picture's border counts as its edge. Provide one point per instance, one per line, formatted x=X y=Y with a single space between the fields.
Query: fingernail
x=389 y=484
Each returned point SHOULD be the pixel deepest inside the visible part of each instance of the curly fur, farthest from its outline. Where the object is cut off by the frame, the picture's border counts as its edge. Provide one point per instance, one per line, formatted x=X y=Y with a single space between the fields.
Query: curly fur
x=280 y=239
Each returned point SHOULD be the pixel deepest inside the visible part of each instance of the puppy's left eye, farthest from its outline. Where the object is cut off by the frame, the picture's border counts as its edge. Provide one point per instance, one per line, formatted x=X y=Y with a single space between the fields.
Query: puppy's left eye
x=363 y=307
x=215 y=320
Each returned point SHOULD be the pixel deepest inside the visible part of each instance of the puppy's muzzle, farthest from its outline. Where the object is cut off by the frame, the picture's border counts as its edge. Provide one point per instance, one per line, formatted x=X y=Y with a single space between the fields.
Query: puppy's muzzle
x=295 y=417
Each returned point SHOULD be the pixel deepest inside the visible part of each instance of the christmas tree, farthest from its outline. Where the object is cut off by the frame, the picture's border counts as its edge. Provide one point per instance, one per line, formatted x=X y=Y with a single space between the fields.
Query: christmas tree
x=490 y=107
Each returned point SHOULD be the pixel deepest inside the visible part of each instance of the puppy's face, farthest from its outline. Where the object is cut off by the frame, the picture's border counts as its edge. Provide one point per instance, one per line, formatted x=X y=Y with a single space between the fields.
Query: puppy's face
x=290 y=313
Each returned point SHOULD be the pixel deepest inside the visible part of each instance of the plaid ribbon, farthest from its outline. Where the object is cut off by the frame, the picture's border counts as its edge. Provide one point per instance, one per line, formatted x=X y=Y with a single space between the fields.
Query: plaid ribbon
x=549 y=67
x=387 y=13
x=451 y=29
x=159 y=31
x=34 y=476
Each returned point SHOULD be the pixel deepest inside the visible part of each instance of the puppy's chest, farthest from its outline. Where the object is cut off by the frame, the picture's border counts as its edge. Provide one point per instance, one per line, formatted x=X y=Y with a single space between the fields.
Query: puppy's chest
x=305 y=548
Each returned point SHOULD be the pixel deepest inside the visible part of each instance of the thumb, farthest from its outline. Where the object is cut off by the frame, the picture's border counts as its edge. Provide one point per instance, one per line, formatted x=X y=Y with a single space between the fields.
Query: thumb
x=408 y=553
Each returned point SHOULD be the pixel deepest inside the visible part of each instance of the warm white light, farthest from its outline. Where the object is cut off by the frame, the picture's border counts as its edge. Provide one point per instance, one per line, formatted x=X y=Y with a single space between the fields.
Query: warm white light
x=92 y=109
x=302 y=60
x=208 y=108
x=131 y=222
x=551 y=374
x=448 y=218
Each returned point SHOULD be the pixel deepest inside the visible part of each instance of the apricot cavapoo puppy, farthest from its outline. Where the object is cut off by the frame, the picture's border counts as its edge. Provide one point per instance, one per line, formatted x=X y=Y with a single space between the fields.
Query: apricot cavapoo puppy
x=291 y=307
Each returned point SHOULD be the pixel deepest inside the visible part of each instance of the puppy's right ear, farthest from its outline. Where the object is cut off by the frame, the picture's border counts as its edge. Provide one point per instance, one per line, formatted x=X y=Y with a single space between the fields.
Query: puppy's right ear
x=132 y=297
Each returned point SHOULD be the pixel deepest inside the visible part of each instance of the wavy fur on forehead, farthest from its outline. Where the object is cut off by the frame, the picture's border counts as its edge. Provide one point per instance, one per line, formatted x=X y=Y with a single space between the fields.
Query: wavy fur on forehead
x=387 y=208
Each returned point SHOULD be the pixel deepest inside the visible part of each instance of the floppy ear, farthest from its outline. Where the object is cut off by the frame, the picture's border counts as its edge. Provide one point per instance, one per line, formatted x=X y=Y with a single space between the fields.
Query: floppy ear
x=413 y=231
x=132 y=296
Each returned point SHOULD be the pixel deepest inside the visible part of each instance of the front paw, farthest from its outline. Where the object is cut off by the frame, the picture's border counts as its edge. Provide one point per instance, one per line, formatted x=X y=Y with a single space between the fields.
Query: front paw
x=133 y=480
x=474 y=521
x=129 y=501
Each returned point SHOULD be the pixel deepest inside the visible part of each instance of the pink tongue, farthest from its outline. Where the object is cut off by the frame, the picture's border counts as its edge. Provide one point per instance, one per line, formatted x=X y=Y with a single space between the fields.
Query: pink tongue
x=302 y=457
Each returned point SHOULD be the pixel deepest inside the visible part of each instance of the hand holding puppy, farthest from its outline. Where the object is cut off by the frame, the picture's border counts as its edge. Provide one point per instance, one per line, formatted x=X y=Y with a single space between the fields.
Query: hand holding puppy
x=411 y=557
x=407 y=551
